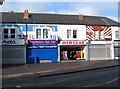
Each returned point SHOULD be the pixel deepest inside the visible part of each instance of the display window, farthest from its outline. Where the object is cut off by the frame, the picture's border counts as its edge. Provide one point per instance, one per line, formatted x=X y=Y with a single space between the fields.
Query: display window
x=72 y=53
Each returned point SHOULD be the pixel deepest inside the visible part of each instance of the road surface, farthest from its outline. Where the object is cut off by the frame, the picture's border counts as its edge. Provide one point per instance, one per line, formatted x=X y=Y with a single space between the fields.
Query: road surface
x=106 y=77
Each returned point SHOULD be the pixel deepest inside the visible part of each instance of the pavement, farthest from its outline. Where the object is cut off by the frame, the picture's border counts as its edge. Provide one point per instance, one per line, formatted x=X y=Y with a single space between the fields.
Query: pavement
x=49 y=69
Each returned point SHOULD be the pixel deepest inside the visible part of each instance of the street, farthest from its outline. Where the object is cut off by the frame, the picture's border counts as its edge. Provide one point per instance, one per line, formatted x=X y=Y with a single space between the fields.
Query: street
x=106 y=77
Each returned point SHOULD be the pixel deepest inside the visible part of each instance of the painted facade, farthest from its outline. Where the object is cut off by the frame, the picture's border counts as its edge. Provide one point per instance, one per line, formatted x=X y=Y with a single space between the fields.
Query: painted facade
x=38 y=43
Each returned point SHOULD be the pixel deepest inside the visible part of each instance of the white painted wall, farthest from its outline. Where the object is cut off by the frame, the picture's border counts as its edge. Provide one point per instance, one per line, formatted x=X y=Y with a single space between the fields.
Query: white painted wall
x=113 y=33
x=81 y=31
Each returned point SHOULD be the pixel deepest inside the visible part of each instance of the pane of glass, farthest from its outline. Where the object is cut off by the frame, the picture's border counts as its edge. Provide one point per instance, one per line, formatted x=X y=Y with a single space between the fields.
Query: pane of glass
x=5 y=31
x=74 y=36
x=68 y=33
x=12 y=31
x=38 y=33
x=5 y=36
x=101 y=35
x=45 y=33
x=74 y=31
x=12 y=36
x=96 y=34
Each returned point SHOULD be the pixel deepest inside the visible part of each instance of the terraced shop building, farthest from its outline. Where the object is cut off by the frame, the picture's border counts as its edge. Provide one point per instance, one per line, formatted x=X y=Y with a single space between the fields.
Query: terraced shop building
x=56 y=38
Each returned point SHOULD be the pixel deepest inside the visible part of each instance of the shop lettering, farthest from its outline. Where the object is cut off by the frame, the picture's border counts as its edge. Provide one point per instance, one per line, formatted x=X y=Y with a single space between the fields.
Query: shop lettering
x=42 y=42
x=47 y=42
x=72 y=42
x=8 y=42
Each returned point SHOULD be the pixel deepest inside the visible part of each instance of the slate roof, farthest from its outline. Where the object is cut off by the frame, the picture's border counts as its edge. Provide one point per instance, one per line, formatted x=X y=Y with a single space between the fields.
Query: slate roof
x=40 y=18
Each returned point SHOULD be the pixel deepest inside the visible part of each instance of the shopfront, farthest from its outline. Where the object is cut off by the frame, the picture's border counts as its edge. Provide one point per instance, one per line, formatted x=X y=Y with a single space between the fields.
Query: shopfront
x=72 y=50
x=116 y=49
x=101 y=50
x=13 y=44
x=41 y=51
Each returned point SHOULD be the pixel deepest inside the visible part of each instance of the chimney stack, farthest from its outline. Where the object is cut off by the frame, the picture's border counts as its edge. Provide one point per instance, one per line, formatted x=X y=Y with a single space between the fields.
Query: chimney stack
x=26 y=15
x=81 y=17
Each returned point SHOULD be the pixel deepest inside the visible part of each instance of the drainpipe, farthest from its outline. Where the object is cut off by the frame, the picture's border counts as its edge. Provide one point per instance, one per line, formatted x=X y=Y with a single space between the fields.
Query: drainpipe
x=26 y=16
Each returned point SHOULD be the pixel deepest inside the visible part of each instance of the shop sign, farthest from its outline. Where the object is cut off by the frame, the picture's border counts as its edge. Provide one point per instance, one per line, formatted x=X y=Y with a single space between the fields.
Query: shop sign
x=42 y=42
x=72 y=42
x=45 y=61
x=8 y=42
x=36 y=46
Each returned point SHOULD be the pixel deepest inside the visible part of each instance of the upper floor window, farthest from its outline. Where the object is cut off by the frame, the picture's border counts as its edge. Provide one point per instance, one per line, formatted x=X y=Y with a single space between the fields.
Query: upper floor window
x=5 y=33
x=45 y=33
x=99 y=35
x=117 y=34
x=8 y=33
x=74 y=33
x=68 y=33
x=12 y=32
x=38 y=33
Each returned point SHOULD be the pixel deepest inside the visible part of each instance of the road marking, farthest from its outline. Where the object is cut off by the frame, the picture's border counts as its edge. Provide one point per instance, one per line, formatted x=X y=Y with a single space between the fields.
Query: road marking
x=111 y=80
x=18 y=86
x=93 y=85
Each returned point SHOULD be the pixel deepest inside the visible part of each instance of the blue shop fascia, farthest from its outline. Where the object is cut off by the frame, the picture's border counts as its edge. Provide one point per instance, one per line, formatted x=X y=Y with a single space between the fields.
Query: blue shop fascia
x=40 y=51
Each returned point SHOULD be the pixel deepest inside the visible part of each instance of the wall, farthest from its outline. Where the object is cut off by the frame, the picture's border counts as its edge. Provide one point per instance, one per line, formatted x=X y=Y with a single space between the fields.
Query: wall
x=31 y=31
x=81 y=32
x=113 y=33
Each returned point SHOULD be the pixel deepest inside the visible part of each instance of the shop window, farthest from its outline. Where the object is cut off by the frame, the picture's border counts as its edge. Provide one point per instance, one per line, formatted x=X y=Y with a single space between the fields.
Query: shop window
x=117 y=34
x=38 y=33
x=45 y=33
x=74 y=33
x=68 y=33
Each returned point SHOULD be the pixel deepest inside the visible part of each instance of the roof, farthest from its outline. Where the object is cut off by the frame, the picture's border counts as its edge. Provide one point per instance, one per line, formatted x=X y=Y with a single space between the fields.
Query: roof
x=40 y=18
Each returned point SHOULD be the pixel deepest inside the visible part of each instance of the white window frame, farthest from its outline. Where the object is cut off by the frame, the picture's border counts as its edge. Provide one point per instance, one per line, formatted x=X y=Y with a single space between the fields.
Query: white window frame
x=45 y=35
x=38 y=34
x=42 y=38
x=9 y=33
x=73 y=34
x=117 y=34
x=69 y=35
